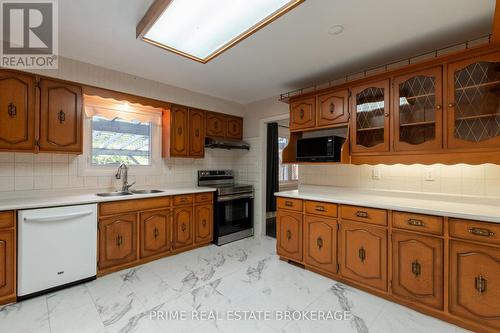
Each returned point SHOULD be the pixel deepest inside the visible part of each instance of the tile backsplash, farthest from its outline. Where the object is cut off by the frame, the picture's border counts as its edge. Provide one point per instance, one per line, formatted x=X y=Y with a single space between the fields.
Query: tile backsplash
x=451 y=179
x=28 y=172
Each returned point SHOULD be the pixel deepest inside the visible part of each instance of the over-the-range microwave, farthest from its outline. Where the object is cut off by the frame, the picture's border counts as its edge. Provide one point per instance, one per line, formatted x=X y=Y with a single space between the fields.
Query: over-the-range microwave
x=321 y=149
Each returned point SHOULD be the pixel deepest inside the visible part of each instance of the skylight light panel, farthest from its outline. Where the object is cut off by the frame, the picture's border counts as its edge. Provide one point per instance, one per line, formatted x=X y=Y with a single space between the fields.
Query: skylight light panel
x=201 y=29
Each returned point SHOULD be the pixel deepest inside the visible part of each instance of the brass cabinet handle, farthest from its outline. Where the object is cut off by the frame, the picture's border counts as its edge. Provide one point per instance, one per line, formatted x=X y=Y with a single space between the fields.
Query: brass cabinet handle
x=362 y=214
x=288 y=203
x=61 y=116
x=183 y=227
x=438 y=107
x=179 y=130
x=415 y=222
x=197 y=132
x=416 y=268
x=234 y=127
x=12 y=110
x=288 y=234
x=204 y=222
x=156 y=233
x=480 y=284
x=319 y=242
x=119 y=240
x=452 y=104
x=216 y=124
x=481 y=232
x=332 y=108
x=301 y=113
x=320 y=209
x=362 y=254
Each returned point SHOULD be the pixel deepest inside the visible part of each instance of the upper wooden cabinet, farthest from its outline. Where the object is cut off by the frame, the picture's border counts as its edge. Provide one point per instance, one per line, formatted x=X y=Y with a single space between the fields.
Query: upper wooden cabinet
x=224 y=126
x=60 y=117
x=17 y=111
x=333 y=108
x=303 y=114
x=196 y=133
x=418 y=111
x=474 y=102
x=234 y=127
x=370 y=117
x=216 y=124
x=179 y=131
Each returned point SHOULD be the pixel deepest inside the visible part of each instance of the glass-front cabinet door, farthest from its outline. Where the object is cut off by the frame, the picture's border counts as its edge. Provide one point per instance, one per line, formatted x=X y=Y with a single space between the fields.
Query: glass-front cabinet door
x=474 y=103
x=370 y=123
x=418 y=111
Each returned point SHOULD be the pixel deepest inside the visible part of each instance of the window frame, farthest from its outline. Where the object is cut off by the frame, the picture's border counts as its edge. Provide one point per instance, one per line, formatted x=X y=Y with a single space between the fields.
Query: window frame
x=87 y=168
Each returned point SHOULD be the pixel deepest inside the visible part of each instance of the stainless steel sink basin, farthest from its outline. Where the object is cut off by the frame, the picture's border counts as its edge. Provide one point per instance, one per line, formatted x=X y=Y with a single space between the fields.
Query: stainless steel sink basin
x=114 y=194
x=146 y=191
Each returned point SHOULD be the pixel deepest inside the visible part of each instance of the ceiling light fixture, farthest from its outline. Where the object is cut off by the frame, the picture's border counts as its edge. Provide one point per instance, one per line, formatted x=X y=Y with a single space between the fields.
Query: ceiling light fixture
x=336 y=29
x=201 y=29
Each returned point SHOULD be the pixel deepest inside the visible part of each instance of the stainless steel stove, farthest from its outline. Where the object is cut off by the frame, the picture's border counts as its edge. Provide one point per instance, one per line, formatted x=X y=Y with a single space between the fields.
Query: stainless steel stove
x=233 y=211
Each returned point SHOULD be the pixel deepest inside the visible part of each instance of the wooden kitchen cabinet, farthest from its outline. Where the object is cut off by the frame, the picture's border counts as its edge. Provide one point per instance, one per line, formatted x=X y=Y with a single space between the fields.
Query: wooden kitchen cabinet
x=196 y=133
x=216 y=124
x=475 y=283
x=333 y=108
x=289 y=235
x=234 y=127
x=321 y=243
x=418 y=111
x=60 y=117
x=364 y=254
x=117 y=240
x=156 y=230
x=179 y=136
x=303 y=114
x=182 y=227
x=203 y=224
x=473 y=100
x=17 y=112
x=417 y=268
x=370 y=121
x=7 y=257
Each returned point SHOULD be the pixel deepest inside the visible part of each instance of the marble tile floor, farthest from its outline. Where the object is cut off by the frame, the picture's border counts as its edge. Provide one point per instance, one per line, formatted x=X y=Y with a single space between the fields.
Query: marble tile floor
x=245 y=275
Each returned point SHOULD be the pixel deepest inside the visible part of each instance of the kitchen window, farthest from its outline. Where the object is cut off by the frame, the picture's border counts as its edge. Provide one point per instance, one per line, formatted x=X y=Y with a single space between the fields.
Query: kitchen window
x=288 y=173
x=119 y=132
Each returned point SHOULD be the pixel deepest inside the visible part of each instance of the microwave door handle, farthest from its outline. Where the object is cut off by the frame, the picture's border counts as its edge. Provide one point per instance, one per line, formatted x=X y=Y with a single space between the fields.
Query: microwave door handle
x=57 y=218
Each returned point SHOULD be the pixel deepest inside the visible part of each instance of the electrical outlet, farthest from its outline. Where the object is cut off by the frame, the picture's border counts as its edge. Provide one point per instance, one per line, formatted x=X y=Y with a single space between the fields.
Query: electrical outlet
x=376 y=175
x=429 y=175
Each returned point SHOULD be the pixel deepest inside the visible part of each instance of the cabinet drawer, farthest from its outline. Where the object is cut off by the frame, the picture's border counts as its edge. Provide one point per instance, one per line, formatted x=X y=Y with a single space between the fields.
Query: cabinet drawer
x=6 y=219
x=203 y=198
x=125 y=206
x=363 y=214
x=417 y=222
x=321 y=208
x=290 y=204
x=185 y=199
x=476 y=231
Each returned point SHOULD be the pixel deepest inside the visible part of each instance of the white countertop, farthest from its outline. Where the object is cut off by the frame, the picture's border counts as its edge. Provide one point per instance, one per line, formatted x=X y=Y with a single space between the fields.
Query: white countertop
x=466 y=207
x=16 y=201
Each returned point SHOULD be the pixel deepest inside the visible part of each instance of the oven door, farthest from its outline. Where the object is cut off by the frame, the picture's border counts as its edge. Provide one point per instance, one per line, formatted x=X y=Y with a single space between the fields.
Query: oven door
x=233 y=217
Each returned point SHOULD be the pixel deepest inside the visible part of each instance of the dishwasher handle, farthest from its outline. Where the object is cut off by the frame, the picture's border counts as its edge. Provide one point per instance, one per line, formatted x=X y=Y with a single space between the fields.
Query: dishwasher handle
x=57 y=218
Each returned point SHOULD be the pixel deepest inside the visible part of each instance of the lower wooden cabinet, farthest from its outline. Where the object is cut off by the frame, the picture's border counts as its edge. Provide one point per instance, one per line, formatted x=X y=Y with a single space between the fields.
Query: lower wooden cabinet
x=364 y=254
x=203 y=223
x=7 y=265
x=417 y=268
x=321 y=243
x=117 y=240
x=156 y=230
x=182 y=227
x=475 y=283
x=289 y=235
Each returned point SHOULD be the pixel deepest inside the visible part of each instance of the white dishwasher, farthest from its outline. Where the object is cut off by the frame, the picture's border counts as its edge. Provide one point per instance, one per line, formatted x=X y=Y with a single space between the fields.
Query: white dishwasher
x=57 y=247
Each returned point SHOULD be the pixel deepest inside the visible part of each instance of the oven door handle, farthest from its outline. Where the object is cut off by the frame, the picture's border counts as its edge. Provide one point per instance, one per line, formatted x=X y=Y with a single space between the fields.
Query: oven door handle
x=235 y=197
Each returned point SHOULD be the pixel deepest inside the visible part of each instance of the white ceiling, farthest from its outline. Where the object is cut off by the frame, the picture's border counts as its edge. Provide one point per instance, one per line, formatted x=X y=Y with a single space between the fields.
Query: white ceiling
x=293 y=52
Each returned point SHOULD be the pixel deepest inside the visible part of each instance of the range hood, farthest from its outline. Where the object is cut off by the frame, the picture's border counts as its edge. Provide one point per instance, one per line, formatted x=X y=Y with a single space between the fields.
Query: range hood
x=225 y=143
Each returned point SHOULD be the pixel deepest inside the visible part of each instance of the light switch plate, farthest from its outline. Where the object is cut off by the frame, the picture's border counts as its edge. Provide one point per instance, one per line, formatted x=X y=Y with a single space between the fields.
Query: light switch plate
x=429 y=175
x=376 y=174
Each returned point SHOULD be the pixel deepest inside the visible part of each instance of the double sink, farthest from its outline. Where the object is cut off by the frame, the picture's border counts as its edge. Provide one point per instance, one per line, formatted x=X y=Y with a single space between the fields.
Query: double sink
x=123 y=193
